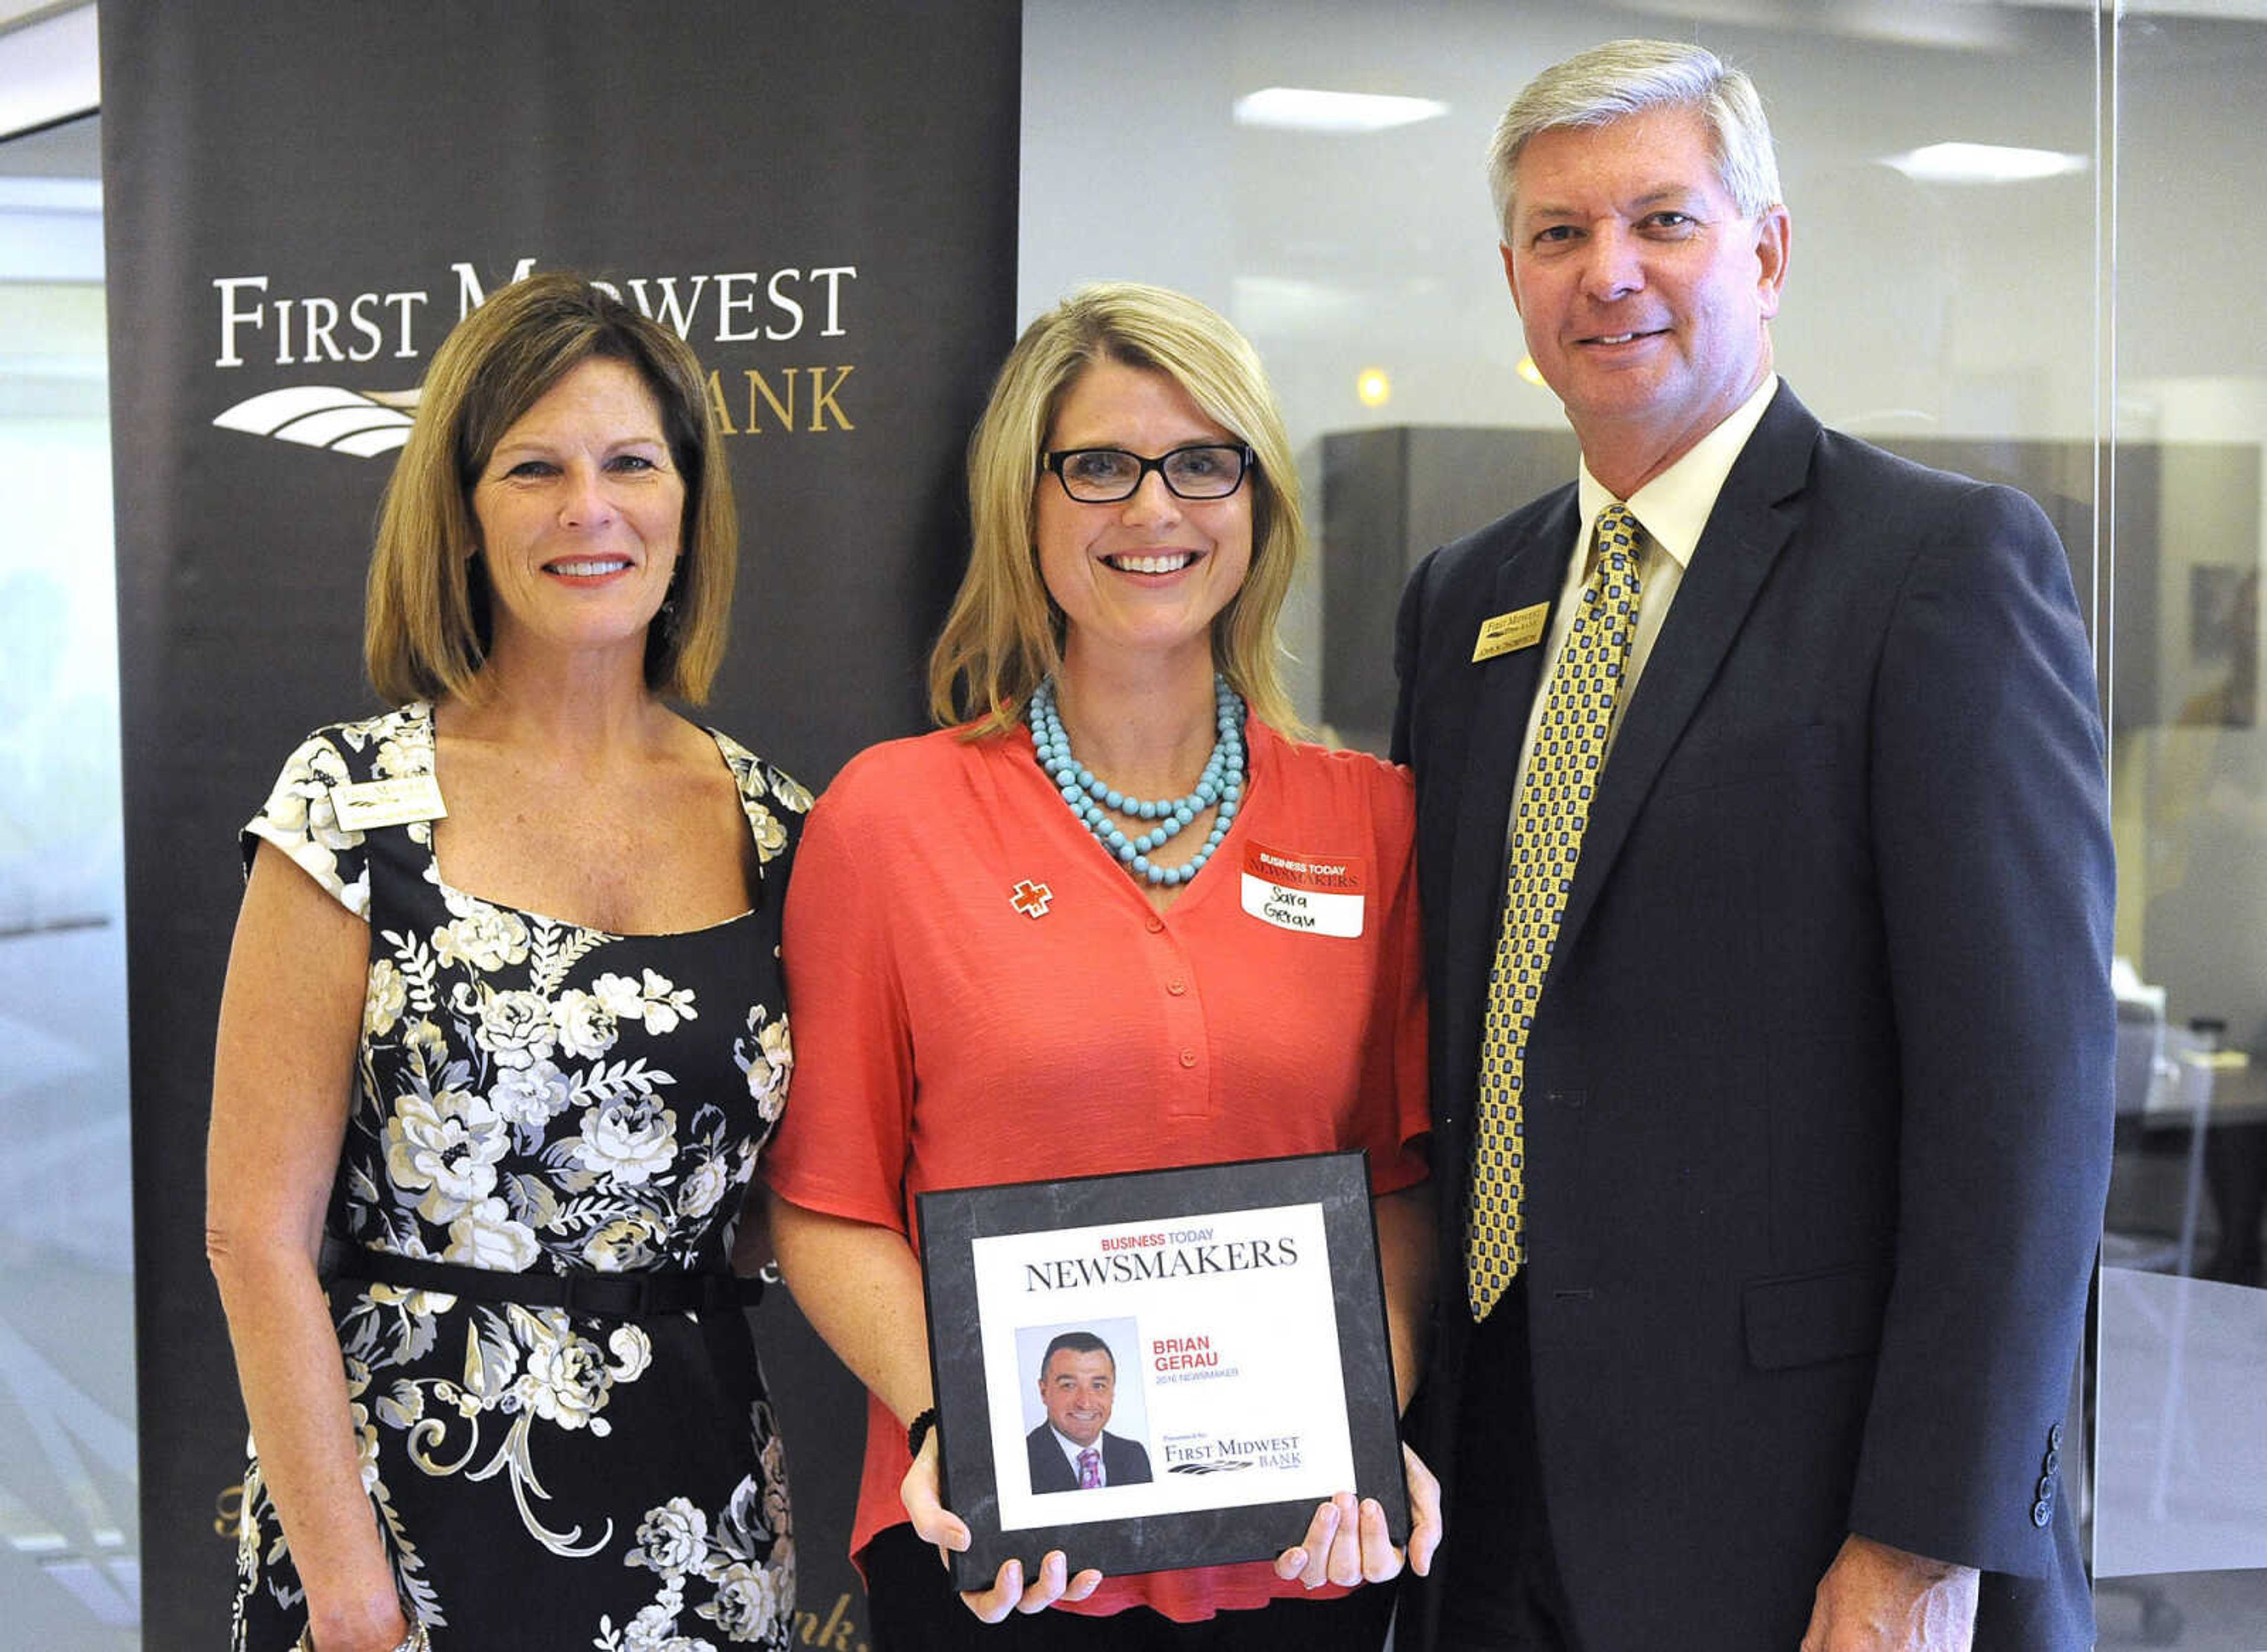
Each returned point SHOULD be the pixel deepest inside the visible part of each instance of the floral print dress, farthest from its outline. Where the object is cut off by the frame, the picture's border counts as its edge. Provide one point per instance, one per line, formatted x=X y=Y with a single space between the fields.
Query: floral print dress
x=533 y=1096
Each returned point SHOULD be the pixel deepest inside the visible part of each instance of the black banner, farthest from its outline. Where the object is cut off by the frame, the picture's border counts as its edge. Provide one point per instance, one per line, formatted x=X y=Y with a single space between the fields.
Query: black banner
x=301 y=202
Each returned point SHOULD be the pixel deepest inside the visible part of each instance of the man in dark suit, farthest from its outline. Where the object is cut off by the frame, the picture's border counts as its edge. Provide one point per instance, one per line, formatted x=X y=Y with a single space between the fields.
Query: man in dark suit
x=1772 y=1079
x=1071 y=1451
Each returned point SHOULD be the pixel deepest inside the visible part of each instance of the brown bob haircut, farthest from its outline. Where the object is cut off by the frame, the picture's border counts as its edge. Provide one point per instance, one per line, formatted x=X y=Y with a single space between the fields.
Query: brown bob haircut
x=426 y=626
x=1005 y=634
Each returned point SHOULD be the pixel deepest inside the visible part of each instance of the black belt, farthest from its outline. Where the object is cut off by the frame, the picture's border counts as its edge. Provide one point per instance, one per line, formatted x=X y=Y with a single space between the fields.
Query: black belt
x=636 y=1296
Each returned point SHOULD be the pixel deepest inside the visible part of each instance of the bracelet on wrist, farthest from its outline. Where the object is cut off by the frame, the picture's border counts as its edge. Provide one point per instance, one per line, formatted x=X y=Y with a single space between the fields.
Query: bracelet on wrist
x=919 y=1429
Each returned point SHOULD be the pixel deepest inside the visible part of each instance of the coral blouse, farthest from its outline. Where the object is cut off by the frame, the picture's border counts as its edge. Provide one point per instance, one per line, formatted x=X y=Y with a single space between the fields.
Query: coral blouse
x=980 y=994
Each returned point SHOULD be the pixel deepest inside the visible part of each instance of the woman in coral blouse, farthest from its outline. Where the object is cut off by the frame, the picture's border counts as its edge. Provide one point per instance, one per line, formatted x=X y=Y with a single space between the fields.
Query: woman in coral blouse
x=1000 y=972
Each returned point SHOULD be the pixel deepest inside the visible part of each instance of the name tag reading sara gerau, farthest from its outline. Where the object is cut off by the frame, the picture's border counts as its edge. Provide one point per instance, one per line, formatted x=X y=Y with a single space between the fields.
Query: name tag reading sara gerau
x=1315 y=894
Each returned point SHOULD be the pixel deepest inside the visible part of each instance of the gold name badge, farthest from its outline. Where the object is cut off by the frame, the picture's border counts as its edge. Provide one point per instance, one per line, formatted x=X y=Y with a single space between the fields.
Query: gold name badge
x=383 y=802
x=1521 y=628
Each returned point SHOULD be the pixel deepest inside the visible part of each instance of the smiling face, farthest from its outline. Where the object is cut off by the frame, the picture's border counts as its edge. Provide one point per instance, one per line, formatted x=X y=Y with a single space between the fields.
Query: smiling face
x=581 y=508
x=1078 y=1389
x=1644 y=292
x=1145 y=575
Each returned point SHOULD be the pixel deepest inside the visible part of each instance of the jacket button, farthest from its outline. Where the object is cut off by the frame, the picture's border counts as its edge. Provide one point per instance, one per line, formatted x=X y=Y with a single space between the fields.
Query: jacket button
x=2041 y=1513
x=2046 y=1489
x=2054 y=1438
x=2052 y=1461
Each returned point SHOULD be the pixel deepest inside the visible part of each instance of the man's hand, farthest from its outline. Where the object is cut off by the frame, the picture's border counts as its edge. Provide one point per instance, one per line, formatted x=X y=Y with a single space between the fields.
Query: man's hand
x=1875 y=1598
x=936 y=1524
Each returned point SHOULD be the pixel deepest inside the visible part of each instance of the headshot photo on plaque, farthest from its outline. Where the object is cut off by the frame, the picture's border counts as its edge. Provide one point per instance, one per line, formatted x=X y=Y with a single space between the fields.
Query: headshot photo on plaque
x=1072 y=1446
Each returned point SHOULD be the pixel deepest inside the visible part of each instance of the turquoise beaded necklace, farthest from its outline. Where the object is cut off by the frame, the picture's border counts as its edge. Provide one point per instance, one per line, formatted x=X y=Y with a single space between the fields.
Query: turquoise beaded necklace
x=1087 y=796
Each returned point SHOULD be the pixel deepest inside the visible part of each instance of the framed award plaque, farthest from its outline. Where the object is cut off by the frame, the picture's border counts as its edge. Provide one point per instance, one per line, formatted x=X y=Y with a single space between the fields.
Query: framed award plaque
x=1159 y=1369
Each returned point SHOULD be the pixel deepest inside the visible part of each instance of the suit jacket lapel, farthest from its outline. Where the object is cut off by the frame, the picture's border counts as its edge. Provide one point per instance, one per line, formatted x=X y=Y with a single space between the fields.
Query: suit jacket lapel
x=1755 y=515
x=1531 y=573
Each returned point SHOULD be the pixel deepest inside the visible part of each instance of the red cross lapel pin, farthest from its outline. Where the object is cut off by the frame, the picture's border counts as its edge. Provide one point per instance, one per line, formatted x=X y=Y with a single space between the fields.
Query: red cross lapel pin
x=1030 y=898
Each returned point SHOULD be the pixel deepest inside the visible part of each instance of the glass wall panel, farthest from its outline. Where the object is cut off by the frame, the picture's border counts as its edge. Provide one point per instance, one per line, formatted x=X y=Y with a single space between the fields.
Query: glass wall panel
x=68 y=1566
x=2181 y=1506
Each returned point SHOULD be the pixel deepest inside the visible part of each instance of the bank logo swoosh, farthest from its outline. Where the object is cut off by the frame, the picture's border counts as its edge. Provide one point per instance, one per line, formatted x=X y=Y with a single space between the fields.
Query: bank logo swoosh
x=1223 y=1465
x=321 y=415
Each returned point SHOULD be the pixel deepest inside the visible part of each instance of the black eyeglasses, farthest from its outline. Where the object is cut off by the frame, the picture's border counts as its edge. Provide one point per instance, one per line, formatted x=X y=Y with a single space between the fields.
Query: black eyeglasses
x=1103 y=476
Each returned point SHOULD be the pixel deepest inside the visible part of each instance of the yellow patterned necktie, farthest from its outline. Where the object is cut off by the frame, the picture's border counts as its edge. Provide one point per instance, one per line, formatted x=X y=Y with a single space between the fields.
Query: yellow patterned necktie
x=1546 y=840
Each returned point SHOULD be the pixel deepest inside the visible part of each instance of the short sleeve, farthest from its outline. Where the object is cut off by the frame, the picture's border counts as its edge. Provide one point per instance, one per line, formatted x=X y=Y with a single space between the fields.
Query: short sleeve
x=773 y=801
x=841 y=1145
x=299 y=819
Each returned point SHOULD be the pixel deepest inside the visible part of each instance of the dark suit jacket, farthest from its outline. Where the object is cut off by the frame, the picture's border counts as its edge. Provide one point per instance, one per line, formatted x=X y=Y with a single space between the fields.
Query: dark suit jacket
x=1124 y=1461
x=1819 y=1093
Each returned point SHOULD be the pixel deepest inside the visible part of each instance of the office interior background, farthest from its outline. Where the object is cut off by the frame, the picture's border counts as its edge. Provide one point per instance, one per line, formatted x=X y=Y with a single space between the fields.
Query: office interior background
x=2024 y=246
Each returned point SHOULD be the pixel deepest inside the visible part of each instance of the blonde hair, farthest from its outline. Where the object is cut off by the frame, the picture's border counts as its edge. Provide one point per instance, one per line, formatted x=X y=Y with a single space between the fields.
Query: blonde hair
x=1004 y=635
x=426 y=622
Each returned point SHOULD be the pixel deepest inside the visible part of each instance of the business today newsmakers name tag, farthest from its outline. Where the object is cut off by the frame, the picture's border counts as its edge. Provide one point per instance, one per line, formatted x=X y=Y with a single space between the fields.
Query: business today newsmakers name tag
x=1314 y=894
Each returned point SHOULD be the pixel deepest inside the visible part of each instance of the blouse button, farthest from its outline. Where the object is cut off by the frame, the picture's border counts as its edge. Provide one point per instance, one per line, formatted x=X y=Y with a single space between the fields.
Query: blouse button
x=1188 y=1058
x=1156 y=923
x=1177 y=988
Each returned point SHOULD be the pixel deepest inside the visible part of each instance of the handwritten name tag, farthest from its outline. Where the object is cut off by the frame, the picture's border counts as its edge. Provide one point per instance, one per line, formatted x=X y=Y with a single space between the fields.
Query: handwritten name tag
x=1315 y=894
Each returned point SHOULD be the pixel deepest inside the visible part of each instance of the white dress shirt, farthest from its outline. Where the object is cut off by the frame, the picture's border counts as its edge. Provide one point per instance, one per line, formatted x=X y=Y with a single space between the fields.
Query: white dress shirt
x=1072 y=1448
x=1673 y=509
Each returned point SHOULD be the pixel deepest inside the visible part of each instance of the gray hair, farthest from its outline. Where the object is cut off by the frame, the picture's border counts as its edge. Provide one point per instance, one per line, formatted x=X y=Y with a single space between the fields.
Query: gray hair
x=1627 y=78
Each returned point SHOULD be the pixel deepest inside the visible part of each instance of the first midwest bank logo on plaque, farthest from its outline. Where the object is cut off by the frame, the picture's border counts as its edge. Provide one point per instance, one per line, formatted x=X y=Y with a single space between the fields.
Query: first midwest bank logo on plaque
x=719 y=314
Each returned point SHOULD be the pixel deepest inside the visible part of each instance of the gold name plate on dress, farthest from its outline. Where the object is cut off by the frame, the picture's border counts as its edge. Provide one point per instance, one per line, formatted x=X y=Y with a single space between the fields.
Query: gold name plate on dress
x=383 y=802
x=1507 y=632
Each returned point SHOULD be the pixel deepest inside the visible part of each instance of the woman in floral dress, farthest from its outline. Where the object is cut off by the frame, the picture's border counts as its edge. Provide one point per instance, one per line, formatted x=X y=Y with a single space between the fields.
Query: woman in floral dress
x=503 y=1036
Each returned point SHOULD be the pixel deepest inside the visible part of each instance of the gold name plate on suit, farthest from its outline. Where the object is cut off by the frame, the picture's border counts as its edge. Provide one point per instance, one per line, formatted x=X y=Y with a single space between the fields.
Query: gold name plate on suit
x=1507 y=632
x=382 y=802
